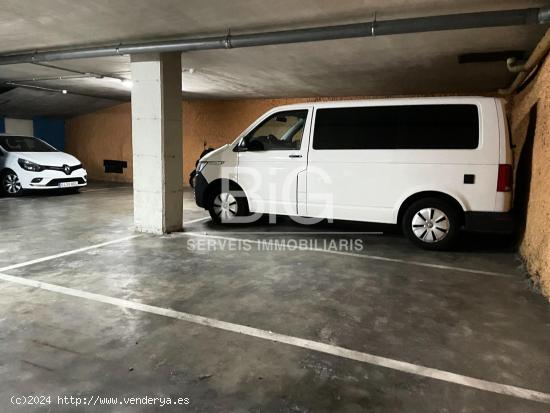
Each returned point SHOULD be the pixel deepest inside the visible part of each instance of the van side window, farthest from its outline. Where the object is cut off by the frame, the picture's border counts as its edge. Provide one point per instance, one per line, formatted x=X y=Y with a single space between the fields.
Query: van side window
x=397 y=127
x=281 y=131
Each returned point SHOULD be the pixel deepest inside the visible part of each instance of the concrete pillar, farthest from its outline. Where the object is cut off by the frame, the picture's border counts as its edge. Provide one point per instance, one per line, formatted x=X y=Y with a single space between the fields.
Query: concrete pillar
x=157 y=142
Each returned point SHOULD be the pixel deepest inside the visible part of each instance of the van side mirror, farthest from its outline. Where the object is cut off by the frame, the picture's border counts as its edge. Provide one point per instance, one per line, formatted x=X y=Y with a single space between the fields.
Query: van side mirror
x=255 y=146
x=249 y=146
x=240 y=148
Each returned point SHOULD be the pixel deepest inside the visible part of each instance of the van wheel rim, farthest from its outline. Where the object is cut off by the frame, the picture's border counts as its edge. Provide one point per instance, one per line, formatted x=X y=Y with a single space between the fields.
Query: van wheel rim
x=12 y=185
x=430 y=225
x=225 y=206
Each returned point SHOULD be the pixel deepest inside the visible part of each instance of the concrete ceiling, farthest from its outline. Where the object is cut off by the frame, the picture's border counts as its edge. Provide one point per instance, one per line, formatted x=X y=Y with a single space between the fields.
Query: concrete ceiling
x=403 y=64
x=26 y=103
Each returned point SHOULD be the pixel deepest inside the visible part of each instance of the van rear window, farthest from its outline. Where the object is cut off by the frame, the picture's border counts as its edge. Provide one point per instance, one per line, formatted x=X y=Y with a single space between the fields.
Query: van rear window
x=397 y=127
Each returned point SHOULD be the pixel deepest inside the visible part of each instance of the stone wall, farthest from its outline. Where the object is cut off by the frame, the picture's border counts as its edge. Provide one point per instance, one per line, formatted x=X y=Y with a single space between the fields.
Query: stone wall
x=535 y=243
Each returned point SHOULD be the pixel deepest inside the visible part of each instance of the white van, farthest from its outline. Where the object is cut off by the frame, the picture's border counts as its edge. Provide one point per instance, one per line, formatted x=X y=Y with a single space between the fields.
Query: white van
x=432 y=165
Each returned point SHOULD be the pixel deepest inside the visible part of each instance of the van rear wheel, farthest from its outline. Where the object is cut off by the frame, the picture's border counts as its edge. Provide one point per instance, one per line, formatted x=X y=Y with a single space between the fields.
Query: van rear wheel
x=432 y=224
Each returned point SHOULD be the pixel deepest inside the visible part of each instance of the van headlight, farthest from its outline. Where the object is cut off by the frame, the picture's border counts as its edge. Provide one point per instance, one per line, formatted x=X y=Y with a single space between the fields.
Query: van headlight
x=202 y=164
x=29 y=166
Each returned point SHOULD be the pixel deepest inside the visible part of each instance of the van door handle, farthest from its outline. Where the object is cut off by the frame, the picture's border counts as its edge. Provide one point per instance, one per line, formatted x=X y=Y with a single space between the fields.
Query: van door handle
x=294 y=156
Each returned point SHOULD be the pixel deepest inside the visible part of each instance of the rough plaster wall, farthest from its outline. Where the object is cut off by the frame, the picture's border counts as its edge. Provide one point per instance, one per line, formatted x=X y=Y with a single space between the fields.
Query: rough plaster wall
x=216 y=122
x=219 y=122
x=535 y=245
x=106 y=134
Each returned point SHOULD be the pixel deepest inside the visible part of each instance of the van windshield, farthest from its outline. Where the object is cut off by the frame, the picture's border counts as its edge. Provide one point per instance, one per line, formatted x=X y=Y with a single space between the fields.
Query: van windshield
x=24 y=144
x=281 y=131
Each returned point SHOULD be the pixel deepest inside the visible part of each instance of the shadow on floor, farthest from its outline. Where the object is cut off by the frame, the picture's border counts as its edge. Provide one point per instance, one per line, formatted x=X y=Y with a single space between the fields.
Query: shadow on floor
x=42 y=193
x=468 y=241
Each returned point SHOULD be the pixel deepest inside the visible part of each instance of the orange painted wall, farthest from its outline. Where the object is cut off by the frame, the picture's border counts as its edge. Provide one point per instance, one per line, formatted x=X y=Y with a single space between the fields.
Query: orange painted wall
x=217 y=122
x=106 y=134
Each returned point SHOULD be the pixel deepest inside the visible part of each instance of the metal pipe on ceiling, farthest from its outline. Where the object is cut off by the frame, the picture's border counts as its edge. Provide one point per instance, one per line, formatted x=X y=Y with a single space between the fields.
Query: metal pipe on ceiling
x=34 y=87
x=367 y=29
x=62 y=91
x=79 y=72
x=64 y=69
x=526 y=70
x=54 y=78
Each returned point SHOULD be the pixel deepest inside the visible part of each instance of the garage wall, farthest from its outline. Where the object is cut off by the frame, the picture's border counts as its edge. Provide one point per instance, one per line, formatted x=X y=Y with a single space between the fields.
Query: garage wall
x=97 y=136
x=217 y=122
x=51 y=130
x=19 y=126
x=107 y=134
x=535 y=243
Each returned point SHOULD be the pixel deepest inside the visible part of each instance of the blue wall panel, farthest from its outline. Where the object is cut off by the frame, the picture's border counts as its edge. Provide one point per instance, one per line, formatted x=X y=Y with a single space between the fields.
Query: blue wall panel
x=50 y=130
x=2 y=125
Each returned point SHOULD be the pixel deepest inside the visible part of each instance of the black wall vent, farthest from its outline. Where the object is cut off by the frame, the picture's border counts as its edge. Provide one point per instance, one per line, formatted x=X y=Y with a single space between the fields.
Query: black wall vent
x=114 y=167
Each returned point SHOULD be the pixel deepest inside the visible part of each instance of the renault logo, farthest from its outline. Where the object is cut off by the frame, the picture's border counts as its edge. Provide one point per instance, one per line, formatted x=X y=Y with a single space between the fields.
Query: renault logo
x=67 y=169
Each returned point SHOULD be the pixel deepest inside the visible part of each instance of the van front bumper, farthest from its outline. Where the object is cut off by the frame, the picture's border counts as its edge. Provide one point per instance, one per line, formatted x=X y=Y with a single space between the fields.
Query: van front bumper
x=200 y=190
x=501 y=222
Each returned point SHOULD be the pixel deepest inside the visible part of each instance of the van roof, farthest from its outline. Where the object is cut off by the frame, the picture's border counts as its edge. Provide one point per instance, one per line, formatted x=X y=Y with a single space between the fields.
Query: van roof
x=390 y=101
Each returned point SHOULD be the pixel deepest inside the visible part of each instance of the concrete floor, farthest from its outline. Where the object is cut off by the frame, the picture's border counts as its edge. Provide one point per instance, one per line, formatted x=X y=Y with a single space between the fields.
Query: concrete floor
x=469 y=312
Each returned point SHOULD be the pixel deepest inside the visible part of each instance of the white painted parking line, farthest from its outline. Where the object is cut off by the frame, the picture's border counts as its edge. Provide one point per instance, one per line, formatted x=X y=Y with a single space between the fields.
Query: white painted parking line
x=389 y=363
x=298 y=232
x=357 y=255
x=83 y=249
x=104 y=189
x=64 y=254
x=196 y=220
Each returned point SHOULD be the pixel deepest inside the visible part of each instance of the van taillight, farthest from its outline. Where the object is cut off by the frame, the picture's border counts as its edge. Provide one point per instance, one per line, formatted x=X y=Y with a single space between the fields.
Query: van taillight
x=505 y=174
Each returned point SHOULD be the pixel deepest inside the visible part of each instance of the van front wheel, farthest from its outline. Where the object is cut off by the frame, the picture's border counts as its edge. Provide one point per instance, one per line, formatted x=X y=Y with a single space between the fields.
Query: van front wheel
x=432 y=223
x=226 y=206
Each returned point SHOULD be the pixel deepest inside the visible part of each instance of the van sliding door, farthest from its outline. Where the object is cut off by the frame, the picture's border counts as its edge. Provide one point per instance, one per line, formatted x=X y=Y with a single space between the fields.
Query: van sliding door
x=365 y=160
